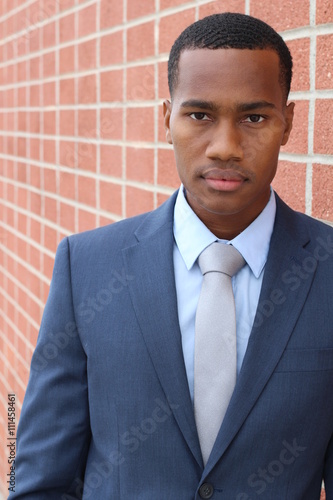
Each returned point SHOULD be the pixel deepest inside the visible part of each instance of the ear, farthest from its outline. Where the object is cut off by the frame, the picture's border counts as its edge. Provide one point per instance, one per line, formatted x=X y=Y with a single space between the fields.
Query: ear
x=289 y=116
x=167 y=107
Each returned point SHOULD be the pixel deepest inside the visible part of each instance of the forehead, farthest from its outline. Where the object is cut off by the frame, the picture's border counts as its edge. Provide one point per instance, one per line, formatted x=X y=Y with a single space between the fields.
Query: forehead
x=240 y=74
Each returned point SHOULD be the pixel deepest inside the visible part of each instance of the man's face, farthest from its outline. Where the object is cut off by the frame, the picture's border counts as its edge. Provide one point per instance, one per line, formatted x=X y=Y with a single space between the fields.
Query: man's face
x=227 y=121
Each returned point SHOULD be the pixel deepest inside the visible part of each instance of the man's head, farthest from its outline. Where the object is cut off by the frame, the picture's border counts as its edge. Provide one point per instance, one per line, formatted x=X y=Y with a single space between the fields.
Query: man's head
x=228 y=117
x=234 y=31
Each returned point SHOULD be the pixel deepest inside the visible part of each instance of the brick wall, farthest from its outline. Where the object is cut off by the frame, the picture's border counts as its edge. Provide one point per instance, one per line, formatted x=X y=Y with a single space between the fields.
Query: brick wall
x=82 y=142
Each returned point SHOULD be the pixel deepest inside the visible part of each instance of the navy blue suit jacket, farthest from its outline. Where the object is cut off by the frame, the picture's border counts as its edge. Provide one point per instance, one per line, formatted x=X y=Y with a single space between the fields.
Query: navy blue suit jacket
x=107 y=413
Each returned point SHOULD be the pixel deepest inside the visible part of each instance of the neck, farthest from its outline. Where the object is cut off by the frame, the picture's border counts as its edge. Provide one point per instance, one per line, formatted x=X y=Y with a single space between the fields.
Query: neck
x=227 y=226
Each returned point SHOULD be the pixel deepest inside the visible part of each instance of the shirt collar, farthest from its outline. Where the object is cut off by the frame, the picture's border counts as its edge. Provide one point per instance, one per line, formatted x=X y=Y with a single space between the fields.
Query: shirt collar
x=192 y=236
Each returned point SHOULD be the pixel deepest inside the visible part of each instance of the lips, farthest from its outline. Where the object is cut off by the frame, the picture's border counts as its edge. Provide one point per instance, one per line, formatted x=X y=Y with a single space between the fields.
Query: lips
x=224 y=180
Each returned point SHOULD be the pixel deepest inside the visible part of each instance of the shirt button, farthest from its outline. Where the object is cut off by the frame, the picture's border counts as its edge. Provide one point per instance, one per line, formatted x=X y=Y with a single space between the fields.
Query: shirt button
x=206 y=490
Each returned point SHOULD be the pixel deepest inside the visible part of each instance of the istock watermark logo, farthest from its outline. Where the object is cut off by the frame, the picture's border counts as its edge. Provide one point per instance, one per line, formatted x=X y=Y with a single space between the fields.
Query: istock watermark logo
x=261 y=479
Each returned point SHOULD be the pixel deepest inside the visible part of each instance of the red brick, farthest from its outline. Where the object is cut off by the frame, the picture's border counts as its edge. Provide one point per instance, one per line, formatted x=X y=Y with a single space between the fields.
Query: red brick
x=87 y=89
x=66 y=59
x=111 y=160
x=218 y=6
x=34 y=257
x=34 y=122
x=22 y=198
x=67 y=91
x=140 y=124
x=9 y=100
x=86 y=156
x=138 y=201
x=21 y=147
x=35 y=203
x=50 y=210
x=87 y=55
x=112 y=49
x=49 y=119
x=172 y=26
x=67 y=185
x=105 y=221
x=22 y=97
x=50 y=179
x=35 y=91
x=87 y=123
x=35 y=68
x=49 y=94
x=10 y=121
x=35 y=149
x=322 y=192
x=298 y=141
x=282 y=15
x=110 y=195
x=111 y=86
x=111 y=13
x=163 y=88
x=67 y=122
x=140 y=41
x=22 y=121
x=65 y=4
x=165 y=4
x=50 y=240
x=111 y=126
x=138 y=9
x=49 y=65
x=22 y=45
x=87 y=220
x=324 y=70
x=300 y=50
x=49 y=35
x=21 y=71
x=48 y=264
x=10 y=73
x=35 y=176
x=49 y=151
x=324 y=12
x=87 y=20
x=141 y=83
x=140 y=164
x=87 y=190
x=323 y=131
x=35 y=227
x=49 y=8
x=289 y=183
x=67 y=28
x=67 y=217
x=22 y=227
x=34 y=39
x=68 y=156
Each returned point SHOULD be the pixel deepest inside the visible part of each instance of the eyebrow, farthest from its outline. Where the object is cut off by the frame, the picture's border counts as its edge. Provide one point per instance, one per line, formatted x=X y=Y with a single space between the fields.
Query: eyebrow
x=241 y=107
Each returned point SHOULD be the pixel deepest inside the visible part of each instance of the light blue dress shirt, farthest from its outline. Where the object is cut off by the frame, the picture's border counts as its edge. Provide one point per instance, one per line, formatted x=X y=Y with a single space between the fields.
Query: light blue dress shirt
x=191 y=238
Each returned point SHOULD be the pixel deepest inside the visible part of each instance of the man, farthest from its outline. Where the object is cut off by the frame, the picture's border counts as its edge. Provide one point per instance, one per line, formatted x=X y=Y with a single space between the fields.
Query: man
x=112 y=408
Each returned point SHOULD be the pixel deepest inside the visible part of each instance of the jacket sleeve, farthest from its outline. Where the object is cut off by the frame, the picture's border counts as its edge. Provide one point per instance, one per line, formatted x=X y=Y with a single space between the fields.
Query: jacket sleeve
x=54 y=430
x=328 y=472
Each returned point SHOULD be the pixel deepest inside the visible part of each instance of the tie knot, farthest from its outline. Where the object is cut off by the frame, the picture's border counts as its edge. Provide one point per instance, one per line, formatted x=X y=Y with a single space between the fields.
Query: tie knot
x=220 y=258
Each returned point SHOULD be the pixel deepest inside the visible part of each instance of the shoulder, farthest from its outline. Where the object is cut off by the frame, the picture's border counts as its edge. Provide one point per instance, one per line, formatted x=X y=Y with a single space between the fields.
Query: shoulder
x=118 y=235
x=300 y=223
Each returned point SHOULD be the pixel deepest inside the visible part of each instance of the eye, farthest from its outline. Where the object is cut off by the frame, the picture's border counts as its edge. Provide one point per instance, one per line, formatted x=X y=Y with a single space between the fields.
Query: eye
x=199 y=116
x=254 y=119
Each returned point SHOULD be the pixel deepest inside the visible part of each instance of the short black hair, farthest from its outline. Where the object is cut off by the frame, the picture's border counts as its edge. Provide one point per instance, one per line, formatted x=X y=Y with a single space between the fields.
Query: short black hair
x=233 y=31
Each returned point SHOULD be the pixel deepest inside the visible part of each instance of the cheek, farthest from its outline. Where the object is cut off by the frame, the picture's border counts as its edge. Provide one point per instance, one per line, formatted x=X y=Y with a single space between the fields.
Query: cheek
x=265 y=144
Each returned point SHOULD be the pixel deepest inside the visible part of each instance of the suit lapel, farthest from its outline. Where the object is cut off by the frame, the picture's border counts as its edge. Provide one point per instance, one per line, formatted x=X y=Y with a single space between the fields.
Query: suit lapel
x=153 y=295
x=279 y=307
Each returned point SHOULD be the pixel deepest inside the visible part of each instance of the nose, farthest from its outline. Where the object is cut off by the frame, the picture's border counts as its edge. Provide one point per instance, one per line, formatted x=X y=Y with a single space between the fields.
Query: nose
x=225 y=142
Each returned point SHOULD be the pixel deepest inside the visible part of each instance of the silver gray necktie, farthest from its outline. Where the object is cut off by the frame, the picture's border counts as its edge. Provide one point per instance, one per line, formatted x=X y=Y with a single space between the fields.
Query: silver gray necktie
x=215 y=356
